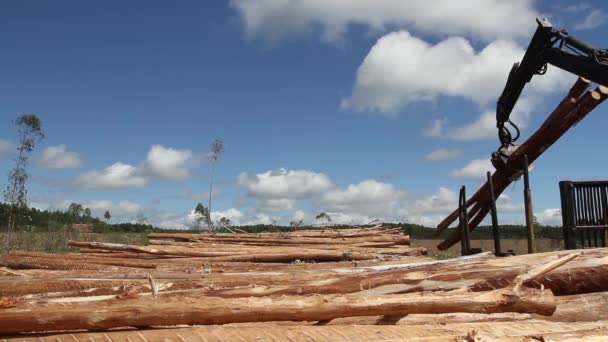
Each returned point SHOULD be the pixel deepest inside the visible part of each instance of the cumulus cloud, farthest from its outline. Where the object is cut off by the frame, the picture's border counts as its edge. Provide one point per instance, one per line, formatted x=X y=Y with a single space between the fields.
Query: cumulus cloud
x=385 y=83
x=431 y=209
x=58 y=157
x=283 y=183
x=443 y=154
x=117 y=175
x=162 y=163
x=476 y=168
x=5 y=147
x=274 y=20
x=593 y=20
x=369 y=197
x=550 y=217
x=234 y=215
x=169 y=163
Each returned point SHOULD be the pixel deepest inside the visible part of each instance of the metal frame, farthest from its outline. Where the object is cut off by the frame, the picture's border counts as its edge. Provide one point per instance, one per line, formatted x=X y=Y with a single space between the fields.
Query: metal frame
x=584 y=213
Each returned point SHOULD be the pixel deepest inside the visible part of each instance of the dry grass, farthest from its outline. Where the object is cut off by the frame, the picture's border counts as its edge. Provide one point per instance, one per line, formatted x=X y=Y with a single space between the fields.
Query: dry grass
x=56 y=242
x=519 y=246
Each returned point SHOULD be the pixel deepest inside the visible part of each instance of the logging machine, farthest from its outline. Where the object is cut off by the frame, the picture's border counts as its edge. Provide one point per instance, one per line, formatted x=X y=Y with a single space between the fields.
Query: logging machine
x=548 y=46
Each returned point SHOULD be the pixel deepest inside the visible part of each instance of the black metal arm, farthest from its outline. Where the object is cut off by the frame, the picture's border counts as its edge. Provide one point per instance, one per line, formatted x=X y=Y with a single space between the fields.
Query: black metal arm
x=548 y=46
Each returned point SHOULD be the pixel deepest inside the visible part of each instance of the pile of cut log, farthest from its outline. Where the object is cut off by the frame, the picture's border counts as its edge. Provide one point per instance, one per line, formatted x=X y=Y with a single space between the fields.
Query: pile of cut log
x=317 y=285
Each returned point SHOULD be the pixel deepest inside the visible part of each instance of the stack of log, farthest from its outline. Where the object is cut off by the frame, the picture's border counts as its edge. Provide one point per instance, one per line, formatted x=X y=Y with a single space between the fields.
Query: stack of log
x=579 y=102
x=176 y=289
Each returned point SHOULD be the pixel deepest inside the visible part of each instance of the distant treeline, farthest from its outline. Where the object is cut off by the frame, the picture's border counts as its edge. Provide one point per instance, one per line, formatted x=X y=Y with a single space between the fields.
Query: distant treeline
x=35 y=220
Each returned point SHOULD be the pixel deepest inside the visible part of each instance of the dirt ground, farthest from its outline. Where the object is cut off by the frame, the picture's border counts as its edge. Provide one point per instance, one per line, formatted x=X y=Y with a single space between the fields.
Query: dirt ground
x=519 y=246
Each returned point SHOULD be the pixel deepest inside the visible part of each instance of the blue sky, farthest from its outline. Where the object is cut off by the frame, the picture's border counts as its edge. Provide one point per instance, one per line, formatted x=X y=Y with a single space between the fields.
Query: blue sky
x=376 y=110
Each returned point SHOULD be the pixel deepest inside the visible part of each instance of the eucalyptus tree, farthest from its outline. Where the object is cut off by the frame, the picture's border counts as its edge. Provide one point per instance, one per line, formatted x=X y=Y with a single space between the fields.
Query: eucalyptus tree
x=29 y=129
x=217 y=148
x=107 y=216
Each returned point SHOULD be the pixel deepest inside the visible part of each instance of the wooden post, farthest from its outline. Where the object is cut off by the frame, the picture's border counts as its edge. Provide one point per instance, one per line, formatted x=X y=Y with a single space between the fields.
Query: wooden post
x=528 y=208
x=464 y=223
x=495 y=233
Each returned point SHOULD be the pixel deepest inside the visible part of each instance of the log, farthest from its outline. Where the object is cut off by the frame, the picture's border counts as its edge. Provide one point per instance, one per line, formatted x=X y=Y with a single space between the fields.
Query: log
x=25 y=262
x=586 y=273
x=79 y=259
x=291 y=278
x=573 y=108
x=303 y=255
x=540 y=330
x=235 y=238
x=141 y=312
x=589 y=307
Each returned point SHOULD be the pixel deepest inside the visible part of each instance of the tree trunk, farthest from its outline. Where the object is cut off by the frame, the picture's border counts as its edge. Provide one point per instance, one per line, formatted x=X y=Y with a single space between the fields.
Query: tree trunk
x=176 y=310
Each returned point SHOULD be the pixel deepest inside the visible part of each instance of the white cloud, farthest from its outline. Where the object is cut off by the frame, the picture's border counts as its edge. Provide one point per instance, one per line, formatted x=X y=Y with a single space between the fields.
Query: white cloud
x=593 y=20
x=234 y=215
x=451 y=67
x=117 y=175
x=119 y=209
x=505 y=204
x=550 y=217
x=441 y=201
x=162 y=163
x=260 y=218
x=282 y=183
x=476 y=168
x=482 y=19
x=58 y=157
x=443 y=154
x=5 y=147
x=436 y=128
x=369 y=198
x=169 y=163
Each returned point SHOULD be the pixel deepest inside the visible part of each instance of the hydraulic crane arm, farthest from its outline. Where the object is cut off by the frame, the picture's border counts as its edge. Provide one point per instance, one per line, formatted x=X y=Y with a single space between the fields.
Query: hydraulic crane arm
x=548 y=46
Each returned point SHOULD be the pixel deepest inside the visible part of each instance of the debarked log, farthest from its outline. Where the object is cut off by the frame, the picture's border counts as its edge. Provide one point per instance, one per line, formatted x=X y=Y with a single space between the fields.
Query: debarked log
x=175 y=310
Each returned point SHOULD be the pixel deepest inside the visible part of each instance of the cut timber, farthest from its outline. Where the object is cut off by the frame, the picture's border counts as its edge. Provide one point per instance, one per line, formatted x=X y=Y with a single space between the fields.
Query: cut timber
x=432 y=332
x=586 y=273
x=79 y=259
x=236 y=238
x=177 y=310
x=344 y=277
x=302 y=254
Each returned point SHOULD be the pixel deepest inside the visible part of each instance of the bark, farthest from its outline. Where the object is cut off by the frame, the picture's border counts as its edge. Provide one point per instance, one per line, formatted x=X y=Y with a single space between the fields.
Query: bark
x=140 y=312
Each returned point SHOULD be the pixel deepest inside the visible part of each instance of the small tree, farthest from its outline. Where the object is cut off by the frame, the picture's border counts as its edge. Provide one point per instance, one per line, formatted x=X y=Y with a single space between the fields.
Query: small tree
x=141 y=218
x=30 y=133
x=225 y=222
x=217 y=148
x=107 y=216
x=75 y=210
x=323 y=216
x=86 y=214
x=202 y=215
